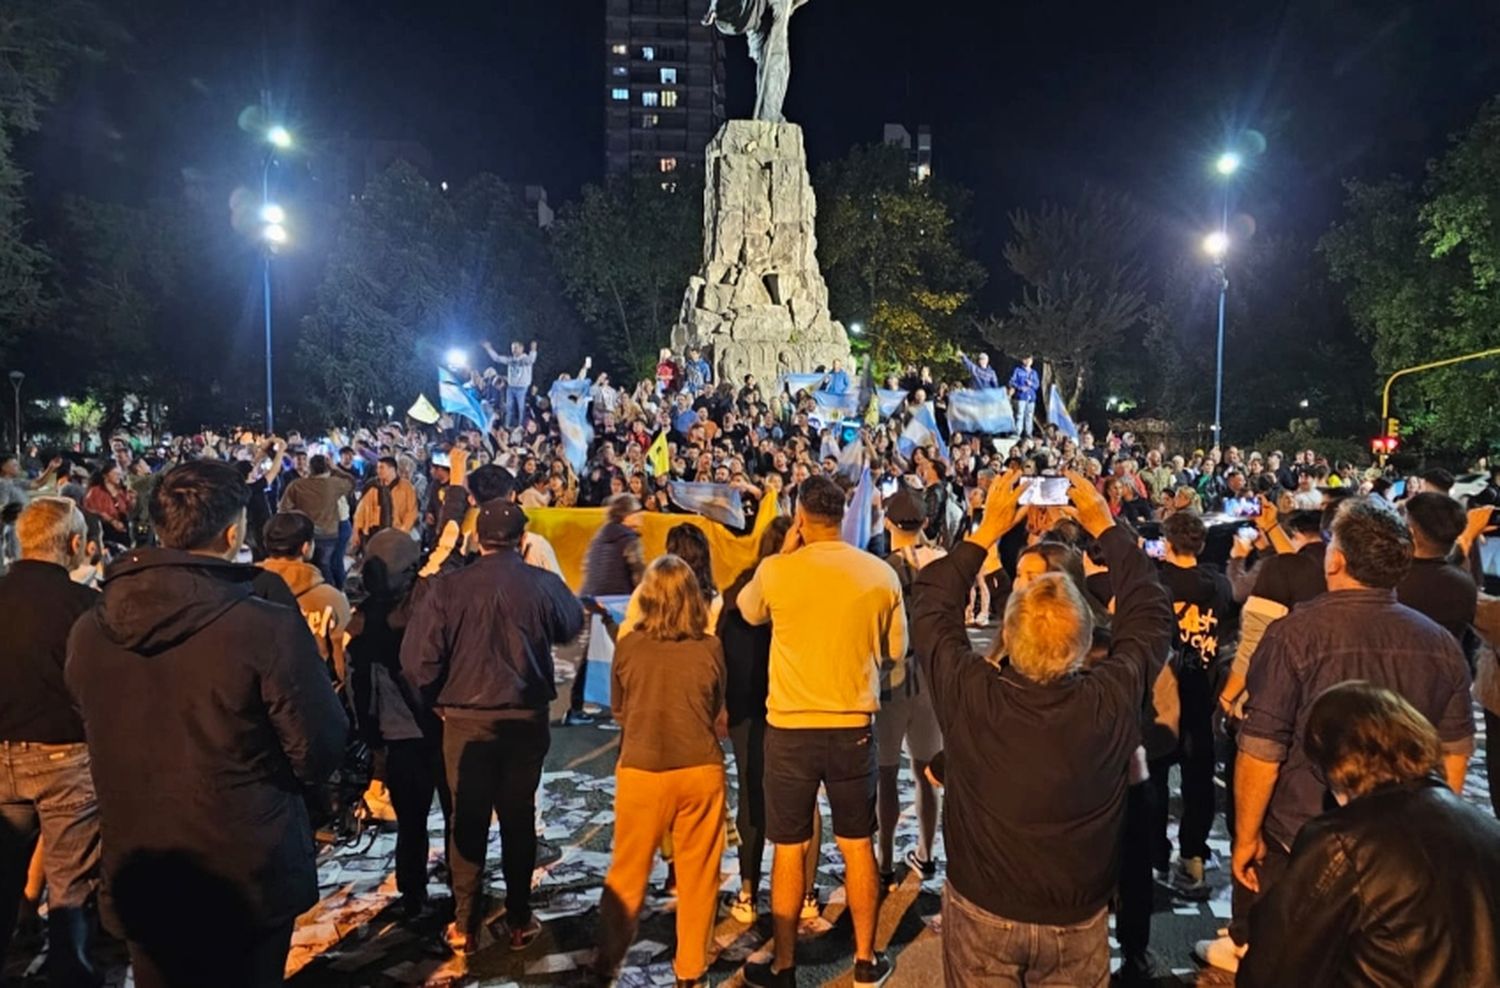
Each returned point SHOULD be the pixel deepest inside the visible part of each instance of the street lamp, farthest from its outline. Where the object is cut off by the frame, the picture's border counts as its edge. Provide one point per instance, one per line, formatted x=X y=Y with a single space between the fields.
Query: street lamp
x=274 y=234
x=16 y=377
x=1216 y=245
x=457 y=359
x=856 y=329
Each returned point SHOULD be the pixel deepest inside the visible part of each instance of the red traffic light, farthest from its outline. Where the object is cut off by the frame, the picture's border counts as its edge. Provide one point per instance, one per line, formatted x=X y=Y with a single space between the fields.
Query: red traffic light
x=1384 y=445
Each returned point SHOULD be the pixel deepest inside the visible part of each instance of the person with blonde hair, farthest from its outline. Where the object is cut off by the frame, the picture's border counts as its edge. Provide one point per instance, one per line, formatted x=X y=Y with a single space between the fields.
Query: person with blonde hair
x=668 y=691
x=1400 y=885
x=47 y=794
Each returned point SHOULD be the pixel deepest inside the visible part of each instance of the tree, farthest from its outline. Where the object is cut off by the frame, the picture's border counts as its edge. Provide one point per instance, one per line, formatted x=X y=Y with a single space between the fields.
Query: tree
x=1287 y=342
x=39 y=41
x=1084 y=283
x=414 y=271
x=625 y=251
x=1420 y=267
x=891 y=251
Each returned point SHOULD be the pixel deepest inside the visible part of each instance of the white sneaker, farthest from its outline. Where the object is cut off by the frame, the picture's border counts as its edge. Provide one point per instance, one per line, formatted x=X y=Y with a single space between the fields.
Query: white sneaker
x=1222 y=953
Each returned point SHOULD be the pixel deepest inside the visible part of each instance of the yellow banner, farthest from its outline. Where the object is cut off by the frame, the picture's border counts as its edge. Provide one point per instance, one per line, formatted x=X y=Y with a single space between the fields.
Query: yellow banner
x=571 y=529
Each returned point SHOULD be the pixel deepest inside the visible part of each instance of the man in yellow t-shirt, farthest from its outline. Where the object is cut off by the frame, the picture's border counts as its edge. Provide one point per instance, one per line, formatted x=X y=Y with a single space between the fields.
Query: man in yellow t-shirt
x=836 y=615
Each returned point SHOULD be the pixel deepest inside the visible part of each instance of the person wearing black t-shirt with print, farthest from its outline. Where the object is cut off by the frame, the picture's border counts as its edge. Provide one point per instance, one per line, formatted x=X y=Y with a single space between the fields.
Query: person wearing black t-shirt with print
x=1436 y=585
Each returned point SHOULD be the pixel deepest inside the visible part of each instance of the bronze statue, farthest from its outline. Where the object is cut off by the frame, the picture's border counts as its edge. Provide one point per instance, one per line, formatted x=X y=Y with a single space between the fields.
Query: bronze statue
x=764 y=23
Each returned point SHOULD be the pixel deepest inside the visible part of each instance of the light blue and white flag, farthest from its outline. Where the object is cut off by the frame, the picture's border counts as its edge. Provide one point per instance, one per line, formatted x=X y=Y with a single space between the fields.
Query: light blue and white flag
x=577 y=432
x=856 y=526
x=802 y=382
x=561 y=390
x=834 y=406
x=852 y=458
x=716 y=502
x=457 y=398
x=1057 y=414
x=889 y=401
x=981 y=410
x=601 y=653
x=922 y=430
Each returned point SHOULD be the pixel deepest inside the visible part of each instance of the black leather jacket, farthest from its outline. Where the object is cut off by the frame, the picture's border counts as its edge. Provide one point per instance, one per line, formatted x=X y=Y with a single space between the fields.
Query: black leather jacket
x=1400 y=887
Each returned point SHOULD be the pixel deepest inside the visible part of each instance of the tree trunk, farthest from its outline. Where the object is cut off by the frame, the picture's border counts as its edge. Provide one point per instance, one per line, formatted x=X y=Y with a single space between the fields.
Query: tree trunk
x=1078 y=381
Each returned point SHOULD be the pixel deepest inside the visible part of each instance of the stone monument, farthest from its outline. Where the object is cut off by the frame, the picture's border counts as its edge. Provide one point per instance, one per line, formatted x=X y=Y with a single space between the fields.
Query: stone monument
x=760 y=305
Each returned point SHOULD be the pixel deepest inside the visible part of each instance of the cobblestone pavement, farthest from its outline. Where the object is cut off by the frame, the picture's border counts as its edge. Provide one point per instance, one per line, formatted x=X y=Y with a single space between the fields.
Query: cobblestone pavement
x=351 y=941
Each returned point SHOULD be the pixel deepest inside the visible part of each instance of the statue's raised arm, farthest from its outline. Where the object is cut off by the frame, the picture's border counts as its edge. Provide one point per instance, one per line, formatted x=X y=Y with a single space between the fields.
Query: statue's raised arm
x=764 y=23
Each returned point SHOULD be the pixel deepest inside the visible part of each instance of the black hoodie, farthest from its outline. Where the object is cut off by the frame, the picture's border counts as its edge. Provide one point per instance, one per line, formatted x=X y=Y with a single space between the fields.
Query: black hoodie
x=207 y=710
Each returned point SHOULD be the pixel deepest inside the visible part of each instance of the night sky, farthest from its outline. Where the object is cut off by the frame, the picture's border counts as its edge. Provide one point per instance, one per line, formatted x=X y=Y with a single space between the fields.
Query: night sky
x=1026 y=99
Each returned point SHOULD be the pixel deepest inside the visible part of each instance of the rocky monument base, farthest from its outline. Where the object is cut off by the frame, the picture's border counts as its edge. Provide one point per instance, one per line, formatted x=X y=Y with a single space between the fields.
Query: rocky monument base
x=760 y=305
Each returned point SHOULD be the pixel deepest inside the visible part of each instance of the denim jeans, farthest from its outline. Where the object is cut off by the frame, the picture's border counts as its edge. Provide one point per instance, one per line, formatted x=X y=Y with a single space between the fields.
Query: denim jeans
x=324 y=549
x=46 y=790
x=1025 y=414
x=340 y=552
x=982 y=950
x=515 y=407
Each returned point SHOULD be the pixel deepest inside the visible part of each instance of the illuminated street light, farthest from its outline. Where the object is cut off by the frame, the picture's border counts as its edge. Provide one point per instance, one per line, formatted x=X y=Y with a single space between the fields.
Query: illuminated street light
x=856 y=329
x=457 y=358
x=1216 y=244
x=274 y=234
x=272 y=213
x=1228 y=163
x=279 y=137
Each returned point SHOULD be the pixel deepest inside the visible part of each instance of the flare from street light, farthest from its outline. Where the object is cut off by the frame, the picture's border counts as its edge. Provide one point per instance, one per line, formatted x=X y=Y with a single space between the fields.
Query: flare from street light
x=272 y=213
x=1216 y=244
x=279 y=137
x=274 y=233
x=1228 y=163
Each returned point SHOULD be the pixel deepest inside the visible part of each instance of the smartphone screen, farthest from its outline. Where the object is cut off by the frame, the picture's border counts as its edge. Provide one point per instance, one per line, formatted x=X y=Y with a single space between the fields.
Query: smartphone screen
x=1245 y=507
x=1156 y=548
x=1044 y=492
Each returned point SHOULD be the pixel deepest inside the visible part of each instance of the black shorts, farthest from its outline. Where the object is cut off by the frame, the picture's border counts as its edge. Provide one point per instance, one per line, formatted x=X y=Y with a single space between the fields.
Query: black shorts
x=842 y=760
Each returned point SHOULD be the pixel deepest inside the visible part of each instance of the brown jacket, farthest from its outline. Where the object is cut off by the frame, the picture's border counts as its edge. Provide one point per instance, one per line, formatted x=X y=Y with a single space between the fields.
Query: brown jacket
x=323 y=605
x=403 y=509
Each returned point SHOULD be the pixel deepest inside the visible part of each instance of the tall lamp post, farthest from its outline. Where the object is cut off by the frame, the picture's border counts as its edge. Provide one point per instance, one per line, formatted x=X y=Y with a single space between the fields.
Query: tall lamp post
x=1216 y=244
x=273 y=235
x=16 y=377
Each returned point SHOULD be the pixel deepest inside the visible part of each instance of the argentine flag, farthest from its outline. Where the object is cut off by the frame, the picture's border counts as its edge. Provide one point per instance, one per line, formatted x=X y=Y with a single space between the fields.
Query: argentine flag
x=1057 y=414
x=983 y=410
x=577 y=432
x=460 y=400
x=855 y=529
x=834 y=406
x=889 y=401
x=922 y=430
x=717 y=502
x=802 y=382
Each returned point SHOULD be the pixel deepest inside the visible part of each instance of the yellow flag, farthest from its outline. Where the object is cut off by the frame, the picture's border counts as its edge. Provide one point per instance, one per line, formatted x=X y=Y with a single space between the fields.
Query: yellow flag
x=658 y=457
x=423 y=411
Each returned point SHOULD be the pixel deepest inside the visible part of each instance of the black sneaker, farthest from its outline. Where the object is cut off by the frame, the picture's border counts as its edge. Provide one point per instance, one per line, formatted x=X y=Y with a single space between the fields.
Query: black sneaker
x=869 y=974
x=927 y=869
x=761 y=976
x=1138 y=968
x=577 y=718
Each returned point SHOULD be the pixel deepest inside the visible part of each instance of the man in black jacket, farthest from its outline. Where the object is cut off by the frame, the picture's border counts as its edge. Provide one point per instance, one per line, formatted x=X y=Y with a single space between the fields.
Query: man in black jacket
x=1037 y=751
x=478 y=648
x=47 y=790
x=207 y=712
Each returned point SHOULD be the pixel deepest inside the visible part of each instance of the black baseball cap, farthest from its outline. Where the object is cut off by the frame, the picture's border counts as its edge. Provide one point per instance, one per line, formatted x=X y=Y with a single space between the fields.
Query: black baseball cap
x=500 y=522
x=905 y=509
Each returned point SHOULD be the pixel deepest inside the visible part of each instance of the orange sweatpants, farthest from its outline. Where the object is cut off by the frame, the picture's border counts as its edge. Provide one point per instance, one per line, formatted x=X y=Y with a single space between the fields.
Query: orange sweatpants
x=687 y=803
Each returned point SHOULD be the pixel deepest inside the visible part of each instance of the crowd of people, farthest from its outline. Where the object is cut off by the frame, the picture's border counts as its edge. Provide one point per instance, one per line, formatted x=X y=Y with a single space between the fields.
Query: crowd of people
x=201 y=625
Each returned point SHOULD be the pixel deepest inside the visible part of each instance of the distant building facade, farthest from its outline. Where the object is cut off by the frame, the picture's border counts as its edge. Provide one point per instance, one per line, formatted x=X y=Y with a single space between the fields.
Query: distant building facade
x=918 y=149
x=663 y=86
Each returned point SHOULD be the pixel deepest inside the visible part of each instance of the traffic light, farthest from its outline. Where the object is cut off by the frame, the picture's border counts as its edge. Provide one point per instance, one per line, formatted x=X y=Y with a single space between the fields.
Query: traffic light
x=1393 y=428
x=1384 y=445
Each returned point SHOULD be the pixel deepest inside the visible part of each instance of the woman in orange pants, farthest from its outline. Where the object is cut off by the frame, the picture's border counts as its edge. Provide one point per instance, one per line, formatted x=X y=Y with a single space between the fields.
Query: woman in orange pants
x=668 y=697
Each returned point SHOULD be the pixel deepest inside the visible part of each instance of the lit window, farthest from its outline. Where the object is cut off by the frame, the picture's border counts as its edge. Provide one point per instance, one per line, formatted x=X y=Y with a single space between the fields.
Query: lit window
x=619 y=94
x=648 y=53
x=650 y=98
x=668 y=77
x=669 y=97
x=669 y=164
x=649 y=120
x=619 y=49
x=619 y=70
